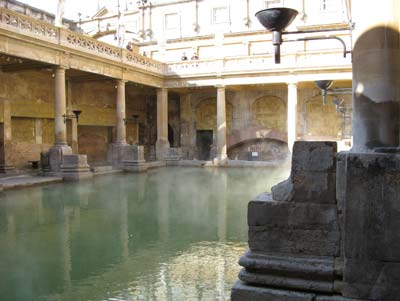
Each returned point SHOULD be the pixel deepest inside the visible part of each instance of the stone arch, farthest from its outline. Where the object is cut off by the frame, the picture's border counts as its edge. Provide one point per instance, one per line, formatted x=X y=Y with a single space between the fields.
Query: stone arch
x=322 y=120
x=259 y=149
x=206 y=115
x=269 y=112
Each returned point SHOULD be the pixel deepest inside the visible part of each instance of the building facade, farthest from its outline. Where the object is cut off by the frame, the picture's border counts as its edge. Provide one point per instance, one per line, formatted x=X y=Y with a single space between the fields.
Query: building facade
x=227 y=99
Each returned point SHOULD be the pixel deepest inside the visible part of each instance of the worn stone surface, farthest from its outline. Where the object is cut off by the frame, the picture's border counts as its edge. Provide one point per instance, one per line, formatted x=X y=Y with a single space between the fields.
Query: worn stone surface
x=319 y=156
x=75 y=168
x=56 y=154
x=241 y=291
x=313 y=174
x=372 y=223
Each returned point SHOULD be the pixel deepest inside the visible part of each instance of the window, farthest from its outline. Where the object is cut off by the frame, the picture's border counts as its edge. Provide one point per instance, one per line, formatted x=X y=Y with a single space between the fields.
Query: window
x=220 y=15
x=330 y=5
x=171 y=21
x=273 y=3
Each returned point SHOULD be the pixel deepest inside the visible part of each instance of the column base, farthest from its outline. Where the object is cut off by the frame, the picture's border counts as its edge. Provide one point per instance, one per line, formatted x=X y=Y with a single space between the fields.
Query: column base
x=221 y=160
x=7 y=169
x=162 y=149
x=133 y=159
x=242 y=291
x=52 y=160
x=75 y=168
x=116 y=154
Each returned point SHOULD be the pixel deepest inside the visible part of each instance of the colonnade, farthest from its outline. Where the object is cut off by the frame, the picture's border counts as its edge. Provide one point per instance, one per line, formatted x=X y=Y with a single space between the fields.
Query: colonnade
x=162 y=144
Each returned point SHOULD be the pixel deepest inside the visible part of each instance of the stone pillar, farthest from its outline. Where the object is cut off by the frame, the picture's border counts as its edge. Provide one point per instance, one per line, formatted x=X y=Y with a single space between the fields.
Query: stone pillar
x=73 y=125
x=60 y=126
x=221 y=156
x=117 y=148
x=120 y=113
x=188 y=134
x=5 y=151
x=375 y=85
x=60 y=147
x=292 y=114
x=162 y=144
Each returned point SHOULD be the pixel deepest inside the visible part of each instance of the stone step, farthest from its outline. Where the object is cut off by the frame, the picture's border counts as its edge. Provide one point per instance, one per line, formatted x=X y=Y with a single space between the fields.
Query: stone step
x=101 y=169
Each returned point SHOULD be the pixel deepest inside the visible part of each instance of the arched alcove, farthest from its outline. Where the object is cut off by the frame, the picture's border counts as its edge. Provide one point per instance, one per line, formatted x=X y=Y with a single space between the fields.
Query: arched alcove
x=269 y=112
x=322 y=120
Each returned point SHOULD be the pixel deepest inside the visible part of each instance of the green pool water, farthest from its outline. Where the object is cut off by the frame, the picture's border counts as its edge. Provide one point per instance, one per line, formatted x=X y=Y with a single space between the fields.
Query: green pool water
x=168 y=234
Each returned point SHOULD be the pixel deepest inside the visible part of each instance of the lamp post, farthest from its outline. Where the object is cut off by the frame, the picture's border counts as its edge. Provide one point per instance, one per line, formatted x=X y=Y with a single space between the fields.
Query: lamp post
x=278 y=18
x=75 y=114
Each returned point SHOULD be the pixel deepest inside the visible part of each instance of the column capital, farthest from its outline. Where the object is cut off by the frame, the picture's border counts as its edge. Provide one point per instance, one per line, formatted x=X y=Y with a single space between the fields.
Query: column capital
x=120 y=81
x=292 y=82
x=60 y=68
x=220 y=86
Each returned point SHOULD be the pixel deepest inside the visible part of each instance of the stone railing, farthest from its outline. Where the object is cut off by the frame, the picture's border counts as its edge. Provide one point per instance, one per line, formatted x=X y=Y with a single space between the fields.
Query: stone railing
x=259 y=63
x=25 y=25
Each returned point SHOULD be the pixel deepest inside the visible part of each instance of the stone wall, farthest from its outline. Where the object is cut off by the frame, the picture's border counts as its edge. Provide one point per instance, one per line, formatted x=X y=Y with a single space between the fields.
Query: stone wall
x=259 y=150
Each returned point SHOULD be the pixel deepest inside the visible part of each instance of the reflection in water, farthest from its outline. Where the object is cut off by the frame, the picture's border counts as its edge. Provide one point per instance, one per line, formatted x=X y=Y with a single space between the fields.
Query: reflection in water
x=169 y=234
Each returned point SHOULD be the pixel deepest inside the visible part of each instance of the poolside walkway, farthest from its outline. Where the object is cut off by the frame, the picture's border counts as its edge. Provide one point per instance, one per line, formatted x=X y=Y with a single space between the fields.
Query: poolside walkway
x=25 y=180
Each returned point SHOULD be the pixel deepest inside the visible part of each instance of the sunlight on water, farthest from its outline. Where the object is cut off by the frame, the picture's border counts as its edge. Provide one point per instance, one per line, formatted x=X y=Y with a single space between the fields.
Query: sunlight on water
x=168 y=234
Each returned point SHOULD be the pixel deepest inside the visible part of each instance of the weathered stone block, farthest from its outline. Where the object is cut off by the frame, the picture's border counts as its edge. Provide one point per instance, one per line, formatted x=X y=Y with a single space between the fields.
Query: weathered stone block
x=372 y=223
x=372 y=280
x=314 y=187
x=133 y=153
x=75 y=167
x=283 y=191
x=294 y=241
x=241 y=291
x=314 y=156
x=56 y=154
x=264 y=211
x=373 y=207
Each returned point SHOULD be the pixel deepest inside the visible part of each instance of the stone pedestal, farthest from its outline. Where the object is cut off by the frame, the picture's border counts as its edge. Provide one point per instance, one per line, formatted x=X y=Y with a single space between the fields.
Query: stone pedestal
x=133 y=159
x=294 y=233
x=75 y=168
x=162 y=149
x=55 y=158
x=116 y=154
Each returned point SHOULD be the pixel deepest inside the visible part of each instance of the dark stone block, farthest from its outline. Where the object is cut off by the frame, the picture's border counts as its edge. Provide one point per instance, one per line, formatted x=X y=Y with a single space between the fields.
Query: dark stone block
x=373 y=280
x=264 y=211
x=314 y=156
x=241 y=292
x=281 y=240
x=372 y=210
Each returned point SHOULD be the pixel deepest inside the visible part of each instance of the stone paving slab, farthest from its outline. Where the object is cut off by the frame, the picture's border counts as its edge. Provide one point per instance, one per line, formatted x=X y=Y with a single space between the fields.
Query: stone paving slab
x=26 y=181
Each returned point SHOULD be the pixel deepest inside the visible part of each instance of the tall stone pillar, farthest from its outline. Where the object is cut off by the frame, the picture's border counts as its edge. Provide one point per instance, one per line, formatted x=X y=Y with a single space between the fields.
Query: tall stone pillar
x=60 y=147
x=162 y=144
x=292 y=115
x=221 y=156
x=120 y=113
x=375 y=84
x=120 y=144
x=60 y=127
x=188 y=135
x=5 y=150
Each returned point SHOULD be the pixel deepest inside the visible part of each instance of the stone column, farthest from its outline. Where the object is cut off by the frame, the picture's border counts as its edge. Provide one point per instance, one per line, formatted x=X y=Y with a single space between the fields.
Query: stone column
x=6 y=151
x=188 y=135
x=60 y=147
x=162 y=144
x=292 y=115
x=120 y=113
x=60 y=127
x=375 y=84
x=120 y=144
x=221 y=156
